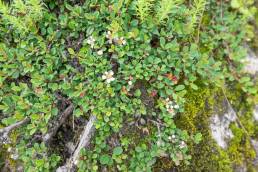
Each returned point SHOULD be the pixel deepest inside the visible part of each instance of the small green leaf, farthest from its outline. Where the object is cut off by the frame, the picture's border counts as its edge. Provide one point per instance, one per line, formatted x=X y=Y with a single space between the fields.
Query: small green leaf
x=137 y=93
x=54 y=111
x=78 y=112
x=179 y=87
x=105 y=159
x=35 y=117
x=118 y=151
x=235 y=4
x=71 y=51
x=193 y=86
x=197 y=138
x=162 y=42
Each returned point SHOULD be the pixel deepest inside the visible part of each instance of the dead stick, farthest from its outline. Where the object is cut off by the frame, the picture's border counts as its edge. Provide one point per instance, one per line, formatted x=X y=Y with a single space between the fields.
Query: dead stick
x=47 y=137
x=84 y=142
x=8 y=129
x=4 y=138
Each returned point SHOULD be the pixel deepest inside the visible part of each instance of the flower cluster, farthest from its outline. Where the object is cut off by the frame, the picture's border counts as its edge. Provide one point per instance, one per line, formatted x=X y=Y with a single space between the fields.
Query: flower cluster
x=182 y=145
x=173 y=139
x=108 y=76
x=171 y=106
x=116 y=40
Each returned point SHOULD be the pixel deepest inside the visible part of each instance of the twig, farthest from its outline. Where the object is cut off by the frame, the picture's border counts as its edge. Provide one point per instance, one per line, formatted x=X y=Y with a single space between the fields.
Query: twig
x=48 y=136
x=13 y=126
x=156 y=122
x=84 y=142
x=5 y=131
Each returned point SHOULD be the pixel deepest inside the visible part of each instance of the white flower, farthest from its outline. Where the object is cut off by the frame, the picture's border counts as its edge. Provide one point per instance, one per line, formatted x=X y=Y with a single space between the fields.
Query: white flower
x=109 y=37
x=171 y=111
x=91 y=41
x=130 y=83
x=114 y=39
x=100 y=52
x=123 y=41
x=108 y=76
x=14 y=156
x=176 y=106
x=110 y=80
x=171 y=106
x=9 y=149
x=108 y=34
x=173 y=136
x=182 y=145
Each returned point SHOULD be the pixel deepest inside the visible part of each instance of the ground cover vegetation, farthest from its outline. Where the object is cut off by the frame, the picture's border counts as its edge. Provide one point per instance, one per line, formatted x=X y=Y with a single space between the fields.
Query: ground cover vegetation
x=124 y=85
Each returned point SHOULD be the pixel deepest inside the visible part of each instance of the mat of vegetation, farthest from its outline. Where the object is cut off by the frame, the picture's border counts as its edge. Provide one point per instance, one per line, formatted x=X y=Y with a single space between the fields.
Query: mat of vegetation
x=124 y=85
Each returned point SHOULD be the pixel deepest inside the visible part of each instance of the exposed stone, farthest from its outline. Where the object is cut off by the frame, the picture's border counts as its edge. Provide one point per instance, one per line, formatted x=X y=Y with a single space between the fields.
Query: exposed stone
x=220 y=127
x=241 y=168
x=255 y=113
x=251 y=62
x=255 y=145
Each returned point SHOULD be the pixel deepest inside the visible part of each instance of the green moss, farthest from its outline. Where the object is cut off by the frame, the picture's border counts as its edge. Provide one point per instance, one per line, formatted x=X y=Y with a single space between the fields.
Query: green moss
x=207 y=156
x=240 y=149
x=5 y=156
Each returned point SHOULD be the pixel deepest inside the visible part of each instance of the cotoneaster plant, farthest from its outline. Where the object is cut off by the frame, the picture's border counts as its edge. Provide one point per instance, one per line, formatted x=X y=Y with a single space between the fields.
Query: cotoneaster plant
x=129 y=63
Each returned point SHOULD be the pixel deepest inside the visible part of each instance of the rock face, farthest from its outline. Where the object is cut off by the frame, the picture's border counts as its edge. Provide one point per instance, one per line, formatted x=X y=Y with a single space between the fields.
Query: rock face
x=220 y=122
x=255 y=145
x=220 y=130
x=255 y=113
x=251 y=62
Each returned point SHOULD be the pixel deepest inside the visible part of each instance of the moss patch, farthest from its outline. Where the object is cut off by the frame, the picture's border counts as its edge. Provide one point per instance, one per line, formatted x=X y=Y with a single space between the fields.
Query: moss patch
x=207 y=156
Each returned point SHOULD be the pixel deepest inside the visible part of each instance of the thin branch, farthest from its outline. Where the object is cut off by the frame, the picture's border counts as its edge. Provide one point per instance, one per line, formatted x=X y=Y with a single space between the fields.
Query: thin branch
x=4 y=138
x=156 y=122
x=88 y=131
x=8 y=129
x=48 y=136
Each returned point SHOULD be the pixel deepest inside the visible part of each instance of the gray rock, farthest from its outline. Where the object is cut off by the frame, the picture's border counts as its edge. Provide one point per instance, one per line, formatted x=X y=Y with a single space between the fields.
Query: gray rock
x=219 y=125
x=241 y=168
x=255 y=145
x=251 y=62
x=255 y=113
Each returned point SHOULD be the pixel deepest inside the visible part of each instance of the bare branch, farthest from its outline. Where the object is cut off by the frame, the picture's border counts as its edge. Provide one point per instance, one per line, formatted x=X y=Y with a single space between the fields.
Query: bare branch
x=88 y=131
x=48 y=136
x=5 y=131
x=13 y=126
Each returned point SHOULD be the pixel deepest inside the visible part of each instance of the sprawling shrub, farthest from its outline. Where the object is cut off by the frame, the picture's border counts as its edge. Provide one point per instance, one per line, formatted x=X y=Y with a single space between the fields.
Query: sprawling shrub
x=129 y=63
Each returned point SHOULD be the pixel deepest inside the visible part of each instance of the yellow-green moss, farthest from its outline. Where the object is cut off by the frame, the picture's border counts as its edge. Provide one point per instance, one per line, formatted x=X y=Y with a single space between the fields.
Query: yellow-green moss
x=5 y=156
x=207 y=156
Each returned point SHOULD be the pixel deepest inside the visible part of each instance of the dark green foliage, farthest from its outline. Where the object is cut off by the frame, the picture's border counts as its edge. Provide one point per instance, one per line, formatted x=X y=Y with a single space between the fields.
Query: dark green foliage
x=131 y=63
